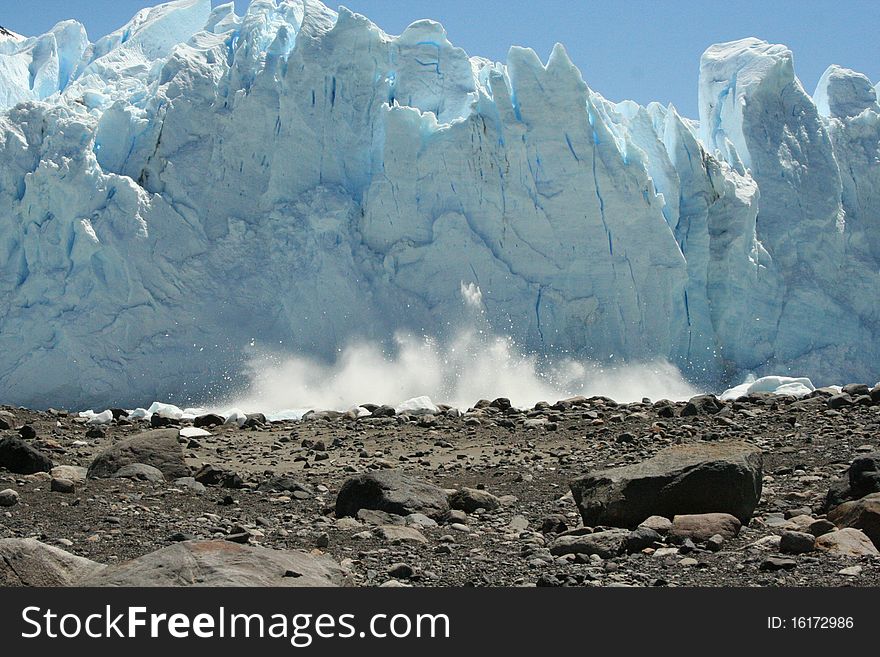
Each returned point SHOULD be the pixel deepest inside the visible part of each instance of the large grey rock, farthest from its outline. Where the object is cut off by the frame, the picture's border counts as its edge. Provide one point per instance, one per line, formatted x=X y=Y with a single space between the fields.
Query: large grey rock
x=863 y=514
x=719 y=477
x=221 y=563
x=159 y=448
x=606 y=544
x=28 y=562
x=19 y=457
x=391 y=491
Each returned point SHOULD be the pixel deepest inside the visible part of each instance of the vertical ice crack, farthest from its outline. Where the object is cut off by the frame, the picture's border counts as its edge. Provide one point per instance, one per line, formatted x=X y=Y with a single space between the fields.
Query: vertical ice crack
x=538 y=313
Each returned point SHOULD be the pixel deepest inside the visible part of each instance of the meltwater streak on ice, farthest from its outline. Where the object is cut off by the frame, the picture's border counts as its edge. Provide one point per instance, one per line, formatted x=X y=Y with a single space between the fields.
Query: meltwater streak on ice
x=476 y=364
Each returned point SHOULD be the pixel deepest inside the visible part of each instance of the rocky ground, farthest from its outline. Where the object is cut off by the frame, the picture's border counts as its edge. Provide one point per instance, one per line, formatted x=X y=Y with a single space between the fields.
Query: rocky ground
x=276 y=484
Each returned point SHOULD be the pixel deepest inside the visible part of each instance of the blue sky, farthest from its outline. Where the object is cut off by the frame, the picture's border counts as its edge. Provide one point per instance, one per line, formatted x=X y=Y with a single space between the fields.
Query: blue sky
x=639 y=49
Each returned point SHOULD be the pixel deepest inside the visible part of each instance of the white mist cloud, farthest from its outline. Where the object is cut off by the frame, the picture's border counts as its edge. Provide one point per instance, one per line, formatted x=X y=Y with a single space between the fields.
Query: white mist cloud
x=475 y=365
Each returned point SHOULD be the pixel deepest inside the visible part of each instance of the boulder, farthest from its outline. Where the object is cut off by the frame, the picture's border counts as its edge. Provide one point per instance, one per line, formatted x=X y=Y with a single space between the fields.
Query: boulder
x=701 y=527
x=209 y=420
x=221 y=563
x=391 y=491
x=702 y=405
x=863 y=478
x=606 y=544
x=863 y=514
x=28 y=562
x=848 y=542
x=159 y=448
x=19 y=457
x=471 y=499
x=718 y=477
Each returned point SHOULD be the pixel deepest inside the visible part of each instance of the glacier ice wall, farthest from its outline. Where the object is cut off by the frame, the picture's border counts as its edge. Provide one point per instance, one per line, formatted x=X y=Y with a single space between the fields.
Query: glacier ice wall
x=198 y=181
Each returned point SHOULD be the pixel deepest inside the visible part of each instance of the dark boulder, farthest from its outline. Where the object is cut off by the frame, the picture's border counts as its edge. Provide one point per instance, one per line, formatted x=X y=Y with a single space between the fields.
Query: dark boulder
x=393 y=492
x=702 y=405
x=862 y=478
x=719 y=477
x=19 y=457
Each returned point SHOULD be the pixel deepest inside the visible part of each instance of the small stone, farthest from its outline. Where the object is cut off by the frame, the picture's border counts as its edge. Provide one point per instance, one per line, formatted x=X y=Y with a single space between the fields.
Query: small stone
x=471 y=499
x=420 y=520
x=851 y=571
x=240 y=537
x=821 y=527
x=665 y=552
x=62 y=486
x=554 y=524
x=606 y=544
x=455 y=516
x=715 y=543
x=641 y=538
x=74 y=473
x=398 y=534
x=8 y=497
x=702 y=526
x=518 y=523
x=839 y=401
x=190 y=484
x=796 y=542
x=347 y=523
x=27 y=432
x=400 y=571
x=773 y=564
x=659 y=524
x=688 y=561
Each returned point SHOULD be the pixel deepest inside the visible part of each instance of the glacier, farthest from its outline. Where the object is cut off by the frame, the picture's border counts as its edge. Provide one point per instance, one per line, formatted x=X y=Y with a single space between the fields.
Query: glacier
x=199 y=185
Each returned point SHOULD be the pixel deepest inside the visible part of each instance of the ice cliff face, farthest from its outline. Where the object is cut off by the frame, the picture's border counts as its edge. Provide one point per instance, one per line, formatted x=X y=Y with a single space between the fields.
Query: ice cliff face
x=200 y=180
